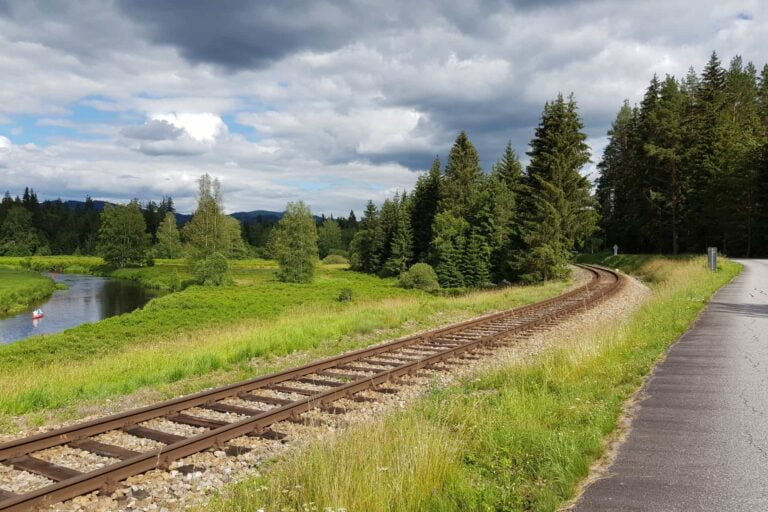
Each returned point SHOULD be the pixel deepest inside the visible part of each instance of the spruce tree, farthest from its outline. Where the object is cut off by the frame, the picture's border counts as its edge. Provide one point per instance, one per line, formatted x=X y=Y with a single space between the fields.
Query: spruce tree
x=328 y=237
x=425 y=198
x=448 y=247
x=463 y=178
x=560 y=212
x=366 y=246
x=401 y=243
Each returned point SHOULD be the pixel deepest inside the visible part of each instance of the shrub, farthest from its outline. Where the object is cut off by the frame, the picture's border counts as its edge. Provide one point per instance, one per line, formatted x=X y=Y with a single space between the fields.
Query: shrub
x=212 y=270
x=335 y=259
x=345 y=295
x=420 y=276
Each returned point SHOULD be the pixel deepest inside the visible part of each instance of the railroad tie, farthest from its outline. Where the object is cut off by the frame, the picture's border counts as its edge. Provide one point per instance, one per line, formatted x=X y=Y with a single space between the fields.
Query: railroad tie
x=290 y=389
x=235 y=409
x=155 y=435
x=269 y=400
x=195 y=421
x=320 y=382
x=6 y=495
x=103 y=449
x=42 y=467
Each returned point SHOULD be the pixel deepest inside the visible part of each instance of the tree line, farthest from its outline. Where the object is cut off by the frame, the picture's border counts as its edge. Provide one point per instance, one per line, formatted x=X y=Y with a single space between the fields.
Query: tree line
x=688 y=167
x=476 y=228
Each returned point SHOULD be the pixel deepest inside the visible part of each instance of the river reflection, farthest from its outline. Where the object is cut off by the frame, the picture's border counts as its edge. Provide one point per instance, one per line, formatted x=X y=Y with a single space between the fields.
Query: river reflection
x=88 y=299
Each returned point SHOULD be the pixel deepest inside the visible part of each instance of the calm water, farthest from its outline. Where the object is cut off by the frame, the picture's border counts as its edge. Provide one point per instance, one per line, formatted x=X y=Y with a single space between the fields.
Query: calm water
x=88 y=299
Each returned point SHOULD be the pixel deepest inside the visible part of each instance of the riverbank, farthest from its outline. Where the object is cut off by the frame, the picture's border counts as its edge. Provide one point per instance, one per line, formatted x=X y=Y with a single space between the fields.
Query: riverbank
x=226 y=330
x=516 y=438
x=20 y=289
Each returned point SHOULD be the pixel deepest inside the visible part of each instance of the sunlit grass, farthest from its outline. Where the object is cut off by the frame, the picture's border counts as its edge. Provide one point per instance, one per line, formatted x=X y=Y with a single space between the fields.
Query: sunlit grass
x=19 y=289
x=520 y=438
x=203 y=330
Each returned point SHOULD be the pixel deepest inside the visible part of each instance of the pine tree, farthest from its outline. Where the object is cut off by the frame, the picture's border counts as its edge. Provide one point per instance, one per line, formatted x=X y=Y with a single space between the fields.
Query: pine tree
x=501 y=216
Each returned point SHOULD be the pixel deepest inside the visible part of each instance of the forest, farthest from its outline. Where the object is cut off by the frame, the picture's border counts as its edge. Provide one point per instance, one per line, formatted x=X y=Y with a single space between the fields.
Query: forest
x=688 y=167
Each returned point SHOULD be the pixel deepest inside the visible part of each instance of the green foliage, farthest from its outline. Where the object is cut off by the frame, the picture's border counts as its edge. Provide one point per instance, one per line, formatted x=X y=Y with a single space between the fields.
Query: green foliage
x=420 y=276
x=368 y=243
x=328 y=237
x=296 y=244
x=210 y=230
x=335 y=259
x=558 y=211
x=345 y=295
x=424 y=201
x=20 y=289
x=683 y=171
x=448 y=246
x=17 y=235
x=212 y=270
x=168 y=238
x=123 y=239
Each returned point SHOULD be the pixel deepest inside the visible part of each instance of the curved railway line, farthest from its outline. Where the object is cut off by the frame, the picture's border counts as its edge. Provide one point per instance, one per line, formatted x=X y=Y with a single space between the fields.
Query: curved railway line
x=264 y=401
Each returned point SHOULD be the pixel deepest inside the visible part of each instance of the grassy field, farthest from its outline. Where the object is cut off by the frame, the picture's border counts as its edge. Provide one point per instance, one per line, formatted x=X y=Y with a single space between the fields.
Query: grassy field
x=199 y=331
x=19 y=289
x=517 y=439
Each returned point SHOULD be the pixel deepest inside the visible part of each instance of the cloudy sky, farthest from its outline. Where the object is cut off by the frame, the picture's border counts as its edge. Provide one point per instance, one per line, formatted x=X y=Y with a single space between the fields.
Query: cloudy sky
x=330 y=102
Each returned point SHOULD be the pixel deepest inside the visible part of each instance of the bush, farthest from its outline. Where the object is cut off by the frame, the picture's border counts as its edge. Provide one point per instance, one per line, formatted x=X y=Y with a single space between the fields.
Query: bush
x=212 y=270
x=335 y=259
x=345 y=295
x=420 y=276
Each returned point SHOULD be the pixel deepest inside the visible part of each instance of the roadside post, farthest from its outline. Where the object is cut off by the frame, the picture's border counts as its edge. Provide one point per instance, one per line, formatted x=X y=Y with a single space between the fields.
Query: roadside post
x=712 y=258
x=615 y=249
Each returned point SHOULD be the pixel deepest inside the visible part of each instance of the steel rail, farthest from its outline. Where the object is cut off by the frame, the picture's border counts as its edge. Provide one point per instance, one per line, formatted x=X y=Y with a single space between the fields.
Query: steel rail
x=108 y=476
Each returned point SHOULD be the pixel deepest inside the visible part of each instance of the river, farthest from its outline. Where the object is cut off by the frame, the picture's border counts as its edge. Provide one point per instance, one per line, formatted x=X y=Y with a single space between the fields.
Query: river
x=87 y=299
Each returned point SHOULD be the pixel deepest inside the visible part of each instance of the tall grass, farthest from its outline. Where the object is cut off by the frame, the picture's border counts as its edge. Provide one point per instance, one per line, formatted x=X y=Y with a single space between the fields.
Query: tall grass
x=521 y=438
x=20 y=289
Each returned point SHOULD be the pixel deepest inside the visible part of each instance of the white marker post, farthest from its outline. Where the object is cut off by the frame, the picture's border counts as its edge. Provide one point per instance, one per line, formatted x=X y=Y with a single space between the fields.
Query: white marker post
x=712 y=258
x=615 y=250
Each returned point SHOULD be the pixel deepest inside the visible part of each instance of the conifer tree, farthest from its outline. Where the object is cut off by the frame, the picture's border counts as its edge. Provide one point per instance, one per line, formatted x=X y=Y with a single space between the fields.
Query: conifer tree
x=463 y=178
x=366 y=246
x=561 y=211
x=448 y=246
x=400 y=244
x=425 y=198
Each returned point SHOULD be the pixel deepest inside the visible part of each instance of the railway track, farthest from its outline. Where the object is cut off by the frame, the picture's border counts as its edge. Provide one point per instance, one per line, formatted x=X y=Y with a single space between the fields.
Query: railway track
x=252 y=407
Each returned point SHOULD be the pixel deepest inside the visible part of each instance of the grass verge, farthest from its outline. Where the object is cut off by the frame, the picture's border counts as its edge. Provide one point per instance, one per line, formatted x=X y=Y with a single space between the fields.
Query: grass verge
x=20 y=289
x=521 y=438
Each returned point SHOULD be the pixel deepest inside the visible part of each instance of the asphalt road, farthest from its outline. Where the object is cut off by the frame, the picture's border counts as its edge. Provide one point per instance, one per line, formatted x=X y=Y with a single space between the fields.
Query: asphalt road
x=699 y=441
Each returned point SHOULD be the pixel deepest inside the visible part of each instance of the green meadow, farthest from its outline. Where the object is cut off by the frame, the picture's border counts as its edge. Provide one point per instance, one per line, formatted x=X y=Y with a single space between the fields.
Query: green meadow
x=519 y=438
x=199 y=331
x=19 y=289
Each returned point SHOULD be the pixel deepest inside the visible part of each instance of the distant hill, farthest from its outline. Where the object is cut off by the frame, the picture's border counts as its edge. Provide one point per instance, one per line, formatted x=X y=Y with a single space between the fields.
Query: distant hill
x=183 y=218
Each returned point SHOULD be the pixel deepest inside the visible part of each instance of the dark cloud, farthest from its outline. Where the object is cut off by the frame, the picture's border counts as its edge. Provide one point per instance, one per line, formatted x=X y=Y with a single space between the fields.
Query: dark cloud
x=241 y=34
x=153 y=130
